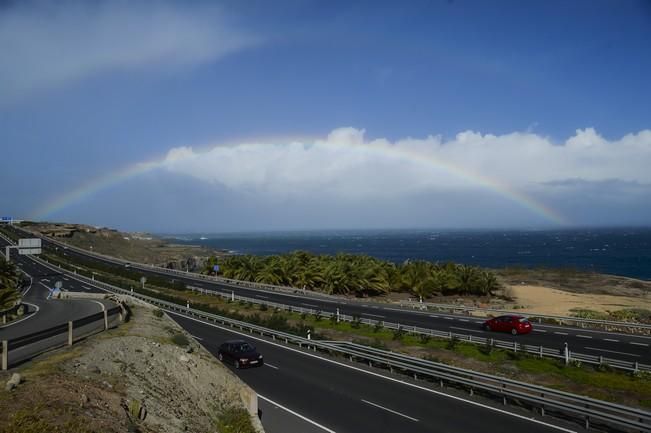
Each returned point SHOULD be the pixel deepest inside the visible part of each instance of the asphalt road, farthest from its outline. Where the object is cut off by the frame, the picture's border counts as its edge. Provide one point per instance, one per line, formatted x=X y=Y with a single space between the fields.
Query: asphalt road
x=46 y=313
x=592 y=342
x=328 y=395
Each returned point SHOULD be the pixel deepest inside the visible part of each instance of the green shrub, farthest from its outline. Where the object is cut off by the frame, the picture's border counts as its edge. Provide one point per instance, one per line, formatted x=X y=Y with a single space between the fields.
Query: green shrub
x=453 y=343
x=158 y=312
x=234 y=420
x=379 y=325
x=180 y=340
x=399 y=333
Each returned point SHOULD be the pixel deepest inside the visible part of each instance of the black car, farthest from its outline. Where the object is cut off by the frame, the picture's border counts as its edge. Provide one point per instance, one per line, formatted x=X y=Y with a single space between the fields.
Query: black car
x=240 y=353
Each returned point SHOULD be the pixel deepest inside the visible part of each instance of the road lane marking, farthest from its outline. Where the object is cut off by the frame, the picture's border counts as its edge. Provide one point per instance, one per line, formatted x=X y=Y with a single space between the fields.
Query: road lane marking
x=540 y=330
x=464 y=320
x=466 y=329
x=372 y=315
x=304 y=418
x=448 y=318
x=612 y=351
x=196 y=338
x=310 y=305
x=262 y=297
x=272 y=366
x=560 y=333
x=390 y=410
x=611 y=339
x=583 y=336
x=87 y=288
x=639 y=344
x=45 y=279
x=371 y=373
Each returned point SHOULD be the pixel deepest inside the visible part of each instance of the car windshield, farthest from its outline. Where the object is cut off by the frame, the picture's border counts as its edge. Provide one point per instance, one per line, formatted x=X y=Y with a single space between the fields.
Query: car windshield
x=524 y=320
x=243 y=347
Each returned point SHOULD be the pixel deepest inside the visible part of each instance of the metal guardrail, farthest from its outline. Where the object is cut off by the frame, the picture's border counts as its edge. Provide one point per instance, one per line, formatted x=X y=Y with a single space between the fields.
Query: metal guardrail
x=609 y=325
x=565 y=354
x=574 y=321
x=45 y=337
x=587 y=410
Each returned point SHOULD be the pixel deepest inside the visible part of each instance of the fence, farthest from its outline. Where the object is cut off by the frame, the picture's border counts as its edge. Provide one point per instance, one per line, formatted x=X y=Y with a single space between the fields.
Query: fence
x=25 y=347
x=586 y=410
x=565 y=354
x=609 y=325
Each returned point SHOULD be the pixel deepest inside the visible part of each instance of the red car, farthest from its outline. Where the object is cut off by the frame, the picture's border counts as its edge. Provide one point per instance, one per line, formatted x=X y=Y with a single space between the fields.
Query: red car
x=513 y=324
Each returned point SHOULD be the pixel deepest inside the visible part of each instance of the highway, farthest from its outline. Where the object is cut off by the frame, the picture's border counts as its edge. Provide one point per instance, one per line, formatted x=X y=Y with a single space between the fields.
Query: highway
x=301 y=392
x=592 y=342
x=345 y=398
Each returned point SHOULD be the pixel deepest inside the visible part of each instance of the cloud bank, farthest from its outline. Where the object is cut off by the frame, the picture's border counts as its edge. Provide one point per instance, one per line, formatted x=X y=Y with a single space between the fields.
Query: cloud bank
x=347 y=165
x=49 y=44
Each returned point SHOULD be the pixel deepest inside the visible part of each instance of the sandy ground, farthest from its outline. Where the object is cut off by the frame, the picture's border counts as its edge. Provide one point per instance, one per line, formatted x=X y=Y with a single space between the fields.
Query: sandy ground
x=545 y=300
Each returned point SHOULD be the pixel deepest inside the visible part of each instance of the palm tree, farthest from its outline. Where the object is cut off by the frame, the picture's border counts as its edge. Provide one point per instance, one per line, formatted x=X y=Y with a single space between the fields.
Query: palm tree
x=9 y=279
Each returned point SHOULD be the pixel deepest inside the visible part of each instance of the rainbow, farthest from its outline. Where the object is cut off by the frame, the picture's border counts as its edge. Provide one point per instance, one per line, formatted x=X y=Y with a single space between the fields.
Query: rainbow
x=100 y=183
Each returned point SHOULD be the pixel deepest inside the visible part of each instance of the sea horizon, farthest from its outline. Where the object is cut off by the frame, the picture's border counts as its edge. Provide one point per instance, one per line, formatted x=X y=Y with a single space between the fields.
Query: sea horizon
x=624 y=251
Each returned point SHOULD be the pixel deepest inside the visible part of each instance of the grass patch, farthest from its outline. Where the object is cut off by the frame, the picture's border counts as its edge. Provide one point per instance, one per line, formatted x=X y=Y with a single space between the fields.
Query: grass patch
x=30 y=420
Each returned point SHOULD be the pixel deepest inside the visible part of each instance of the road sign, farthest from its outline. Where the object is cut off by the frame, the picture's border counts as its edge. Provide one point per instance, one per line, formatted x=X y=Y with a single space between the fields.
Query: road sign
x=29 y=246
x=7 y=218
x=58 y=284
x=215 y=268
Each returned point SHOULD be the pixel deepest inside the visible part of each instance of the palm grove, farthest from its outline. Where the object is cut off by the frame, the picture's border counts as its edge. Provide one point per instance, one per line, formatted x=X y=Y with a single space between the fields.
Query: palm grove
x=9 y=281
x=358 y=275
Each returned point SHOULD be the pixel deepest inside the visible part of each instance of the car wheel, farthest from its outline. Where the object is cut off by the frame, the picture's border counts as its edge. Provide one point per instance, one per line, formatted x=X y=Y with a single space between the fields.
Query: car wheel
x=237 y=364
x=514 y=331
x=220 y=356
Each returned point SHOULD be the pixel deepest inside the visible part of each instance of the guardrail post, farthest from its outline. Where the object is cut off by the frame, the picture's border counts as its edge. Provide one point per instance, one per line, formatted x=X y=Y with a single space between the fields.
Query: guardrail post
x=540 y=351
x=636 y=367
x=5 y=355
x=105 y=319
x=4 y=319
x=69 y=333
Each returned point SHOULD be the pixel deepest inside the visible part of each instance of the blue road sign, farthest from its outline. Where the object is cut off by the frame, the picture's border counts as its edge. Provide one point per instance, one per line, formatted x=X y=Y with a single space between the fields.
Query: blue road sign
x=6 y=218
x=215 y=268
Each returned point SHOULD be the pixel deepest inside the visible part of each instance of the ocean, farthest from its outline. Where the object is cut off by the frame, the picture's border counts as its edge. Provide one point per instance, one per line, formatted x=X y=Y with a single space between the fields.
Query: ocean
x=620 y=251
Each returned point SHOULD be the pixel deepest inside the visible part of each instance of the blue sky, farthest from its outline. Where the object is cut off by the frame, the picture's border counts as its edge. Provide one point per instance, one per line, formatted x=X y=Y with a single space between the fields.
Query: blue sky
x=553 y=88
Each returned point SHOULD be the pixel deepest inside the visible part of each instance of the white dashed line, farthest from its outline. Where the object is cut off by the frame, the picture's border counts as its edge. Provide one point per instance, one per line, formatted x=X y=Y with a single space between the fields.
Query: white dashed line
x=271 y=366
x=310 y=305
x=560 y=333
x=464 y=320
x=372 y=315
x=612 y=351
x=583 y=336
x=611 y=339
x=466 y=329
x=196 y=338
x=390 y=410
x=639 y=344
x=539 y=330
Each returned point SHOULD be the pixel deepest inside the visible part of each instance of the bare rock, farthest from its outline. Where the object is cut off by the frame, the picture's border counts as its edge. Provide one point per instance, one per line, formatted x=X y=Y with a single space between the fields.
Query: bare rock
x=13 y=383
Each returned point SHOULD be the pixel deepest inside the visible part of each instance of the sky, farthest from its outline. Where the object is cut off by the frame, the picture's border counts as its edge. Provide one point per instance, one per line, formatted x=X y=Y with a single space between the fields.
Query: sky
x=229 y=116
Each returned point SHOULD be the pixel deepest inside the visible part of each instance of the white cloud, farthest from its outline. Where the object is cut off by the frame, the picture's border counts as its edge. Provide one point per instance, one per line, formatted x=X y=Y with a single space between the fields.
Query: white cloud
x=48 y=44
x=346 y=165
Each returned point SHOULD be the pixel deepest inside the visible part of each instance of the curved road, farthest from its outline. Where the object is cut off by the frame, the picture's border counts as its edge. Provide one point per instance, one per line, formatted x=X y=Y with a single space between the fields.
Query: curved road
x=50 y=312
